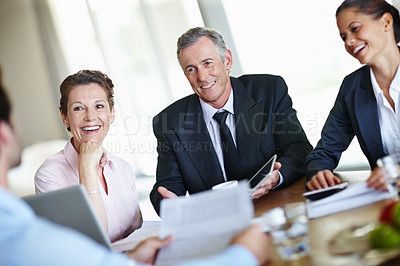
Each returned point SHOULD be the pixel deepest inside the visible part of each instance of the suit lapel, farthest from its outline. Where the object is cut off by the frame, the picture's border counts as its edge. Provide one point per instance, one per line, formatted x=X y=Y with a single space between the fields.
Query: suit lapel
x=196 y=140
x=367 y=115
x=246 y=110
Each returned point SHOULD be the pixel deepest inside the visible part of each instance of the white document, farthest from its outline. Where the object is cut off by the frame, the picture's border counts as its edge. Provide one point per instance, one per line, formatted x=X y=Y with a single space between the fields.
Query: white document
x=203 y=224
x=353 y=196
x=148 y=229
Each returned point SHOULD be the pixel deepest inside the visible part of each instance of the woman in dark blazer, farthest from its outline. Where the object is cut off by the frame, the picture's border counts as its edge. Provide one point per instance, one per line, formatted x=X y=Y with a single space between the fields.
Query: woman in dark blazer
x=367 y=103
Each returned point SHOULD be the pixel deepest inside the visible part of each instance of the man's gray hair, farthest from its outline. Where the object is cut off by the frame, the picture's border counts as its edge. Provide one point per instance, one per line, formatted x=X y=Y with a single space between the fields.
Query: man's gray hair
x=194 y=34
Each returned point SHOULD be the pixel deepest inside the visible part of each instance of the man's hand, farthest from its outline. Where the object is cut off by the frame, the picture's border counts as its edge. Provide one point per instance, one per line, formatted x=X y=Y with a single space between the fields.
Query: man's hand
x=323 y=179
x=166 y=193
x=256 y=241
x=147 y=250
x=269 y=184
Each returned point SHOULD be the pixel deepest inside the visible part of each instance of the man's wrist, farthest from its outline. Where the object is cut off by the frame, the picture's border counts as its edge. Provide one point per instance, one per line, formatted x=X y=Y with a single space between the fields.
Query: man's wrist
x=280 y=180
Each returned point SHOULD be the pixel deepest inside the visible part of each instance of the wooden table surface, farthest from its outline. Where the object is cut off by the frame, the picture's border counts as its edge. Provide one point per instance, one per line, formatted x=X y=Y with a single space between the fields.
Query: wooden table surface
x=321 y=230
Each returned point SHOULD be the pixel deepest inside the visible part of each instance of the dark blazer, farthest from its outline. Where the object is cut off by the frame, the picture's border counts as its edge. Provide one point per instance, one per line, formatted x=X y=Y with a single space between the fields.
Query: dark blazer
x=265 y=124
x=355 y=113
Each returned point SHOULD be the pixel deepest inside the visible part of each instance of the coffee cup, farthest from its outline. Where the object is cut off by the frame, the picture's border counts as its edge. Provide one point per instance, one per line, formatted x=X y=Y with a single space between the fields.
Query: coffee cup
x=225 y=185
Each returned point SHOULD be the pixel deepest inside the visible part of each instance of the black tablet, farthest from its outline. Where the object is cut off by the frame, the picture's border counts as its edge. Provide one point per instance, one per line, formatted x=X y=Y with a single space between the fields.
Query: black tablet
x=324 y=192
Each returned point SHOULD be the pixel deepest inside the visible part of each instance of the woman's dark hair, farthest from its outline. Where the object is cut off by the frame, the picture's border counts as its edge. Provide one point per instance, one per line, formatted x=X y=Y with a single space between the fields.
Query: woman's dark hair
x=375 y=8
x=85 y=77
x=5 y=106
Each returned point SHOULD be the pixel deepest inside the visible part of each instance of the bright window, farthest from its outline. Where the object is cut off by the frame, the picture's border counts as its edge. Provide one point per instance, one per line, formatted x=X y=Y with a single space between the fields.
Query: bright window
x=134 y=42
x=299 y=41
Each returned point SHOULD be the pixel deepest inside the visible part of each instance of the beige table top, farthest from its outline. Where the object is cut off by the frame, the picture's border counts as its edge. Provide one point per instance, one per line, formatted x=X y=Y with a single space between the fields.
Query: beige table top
x=321 y=230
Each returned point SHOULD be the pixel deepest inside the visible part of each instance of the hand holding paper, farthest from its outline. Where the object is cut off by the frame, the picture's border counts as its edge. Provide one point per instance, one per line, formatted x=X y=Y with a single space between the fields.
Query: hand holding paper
x=203 y=224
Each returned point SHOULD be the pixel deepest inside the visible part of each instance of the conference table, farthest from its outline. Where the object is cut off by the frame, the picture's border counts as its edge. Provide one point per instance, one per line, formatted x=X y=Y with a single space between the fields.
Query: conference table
x=321 y=230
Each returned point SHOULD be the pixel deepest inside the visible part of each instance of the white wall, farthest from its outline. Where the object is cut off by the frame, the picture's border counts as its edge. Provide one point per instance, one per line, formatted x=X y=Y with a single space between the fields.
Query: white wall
x=25 y=73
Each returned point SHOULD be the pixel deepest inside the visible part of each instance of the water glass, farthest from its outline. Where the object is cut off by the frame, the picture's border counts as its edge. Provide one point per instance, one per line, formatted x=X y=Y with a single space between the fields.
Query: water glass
x=290 y=231
x=391 y=170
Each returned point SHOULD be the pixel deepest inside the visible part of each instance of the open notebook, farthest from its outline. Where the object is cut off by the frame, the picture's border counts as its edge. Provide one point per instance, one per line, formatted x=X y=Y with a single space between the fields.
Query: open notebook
x=70 y=207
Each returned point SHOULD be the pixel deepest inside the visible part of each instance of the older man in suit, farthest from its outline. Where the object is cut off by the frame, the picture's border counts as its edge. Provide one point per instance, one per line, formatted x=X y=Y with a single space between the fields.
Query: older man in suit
x=44 y=243
x=252 y=113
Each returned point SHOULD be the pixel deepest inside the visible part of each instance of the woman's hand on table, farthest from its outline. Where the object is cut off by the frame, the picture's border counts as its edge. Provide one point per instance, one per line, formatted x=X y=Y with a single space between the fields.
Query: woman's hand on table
x=377 y=180
x=323 y=179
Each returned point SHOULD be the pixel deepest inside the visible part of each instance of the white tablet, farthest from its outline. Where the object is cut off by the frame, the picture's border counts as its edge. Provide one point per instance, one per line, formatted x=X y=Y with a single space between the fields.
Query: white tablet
x=262 y=175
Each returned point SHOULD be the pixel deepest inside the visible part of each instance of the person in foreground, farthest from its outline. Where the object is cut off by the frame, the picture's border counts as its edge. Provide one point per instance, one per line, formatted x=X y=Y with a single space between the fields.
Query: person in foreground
x=87 y=110
x=368 y=100
x=29 y=240
x=228 y=128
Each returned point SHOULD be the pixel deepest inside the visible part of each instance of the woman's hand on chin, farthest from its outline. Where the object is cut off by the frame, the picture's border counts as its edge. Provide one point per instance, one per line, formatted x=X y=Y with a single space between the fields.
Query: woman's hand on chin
x=92 y=153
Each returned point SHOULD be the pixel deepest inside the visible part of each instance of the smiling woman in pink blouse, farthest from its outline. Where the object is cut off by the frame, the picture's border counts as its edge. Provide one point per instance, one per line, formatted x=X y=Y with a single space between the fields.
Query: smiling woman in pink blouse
x=87 y=110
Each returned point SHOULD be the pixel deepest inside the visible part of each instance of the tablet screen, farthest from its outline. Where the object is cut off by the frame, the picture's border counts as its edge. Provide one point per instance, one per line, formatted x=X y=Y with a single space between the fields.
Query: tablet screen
x=265 y=170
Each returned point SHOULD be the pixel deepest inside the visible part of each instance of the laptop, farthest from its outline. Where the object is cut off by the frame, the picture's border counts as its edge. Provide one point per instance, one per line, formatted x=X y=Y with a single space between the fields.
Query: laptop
x=70 y=207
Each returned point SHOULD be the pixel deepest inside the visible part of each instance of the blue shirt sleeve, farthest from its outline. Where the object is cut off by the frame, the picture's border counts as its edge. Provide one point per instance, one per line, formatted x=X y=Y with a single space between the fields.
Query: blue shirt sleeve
x=28 y=240
x=235 y=255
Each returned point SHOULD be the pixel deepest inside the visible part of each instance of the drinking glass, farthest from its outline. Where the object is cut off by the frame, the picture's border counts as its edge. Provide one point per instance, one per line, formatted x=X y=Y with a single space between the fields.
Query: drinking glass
x=290 y=231
x=391 y=170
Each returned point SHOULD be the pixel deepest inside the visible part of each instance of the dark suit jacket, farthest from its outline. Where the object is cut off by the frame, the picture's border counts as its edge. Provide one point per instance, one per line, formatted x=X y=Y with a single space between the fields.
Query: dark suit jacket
x=355 y=113
x=265 y=124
